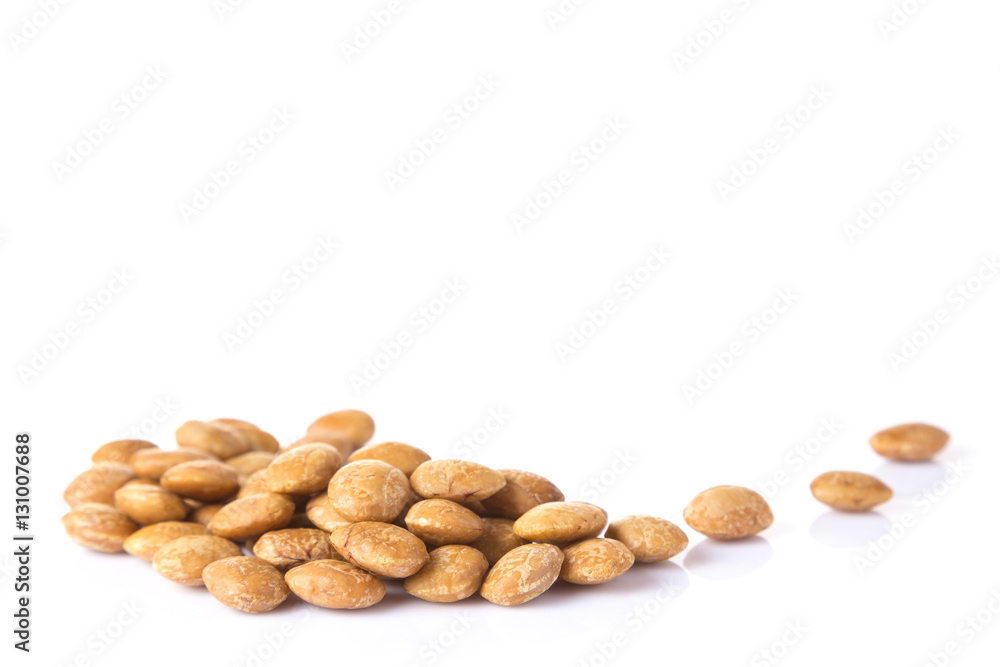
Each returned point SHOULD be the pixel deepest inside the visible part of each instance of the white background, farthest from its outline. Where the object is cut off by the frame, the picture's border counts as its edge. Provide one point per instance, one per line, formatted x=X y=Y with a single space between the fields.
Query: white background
x=619 y=397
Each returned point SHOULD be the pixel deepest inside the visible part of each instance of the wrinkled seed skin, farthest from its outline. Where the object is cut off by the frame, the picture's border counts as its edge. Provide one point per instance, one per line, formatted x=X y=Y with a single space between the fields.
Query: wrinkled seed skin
x=728 y=513
x=368 y=491
x=322 y=514
x=452 y=573
x=539 y=487
x=335 y=440
x=255 y=515
x=144 y=542
x=207 y=481
x=183 y=560
x=99 y=527
x=561 y=522
x=649 y=538
x=120 y=451
x=523 y=574
x=438 y=522
x=219 y=441
x=303 y=470
x=246 y=584
x=152 y=463
x=284 y=549
x=456 y=480
x=850 y=491
x=909 y=442
x=249 y=463
x=149 y=503
x=510 y=502
x=497 y=539
x=595 y=561
x=98 y=485
x=335 y=584
x=354 y=426
x=381 y=548
x=397 y=454
x=254 y=438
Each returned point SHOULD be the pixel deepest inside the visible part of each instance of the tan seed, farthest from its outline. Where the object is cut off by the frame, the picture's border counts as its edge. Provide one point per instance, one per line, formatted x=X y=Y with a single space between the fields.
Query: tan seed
x=119 y=451
x=728 y=513
x=595 y=561
x=246 y=584
x=335 y=584
x=354 y=426
x=252 y=437
x=368 y=491
x=251 y=516
x=510 y=502
x=204 y=514
x=650 y=538
x=561 y=522
x=249 y=463
x=207 y=481
x=99 y=527
x=152 y=463
x=438 y=522
x=149 y=502
x=540 y=488
x=219 y=441
x=523 y=574
x=453 y=479
x=499 y=538
x=303 y=470
x=322 y=514
x=144 y=542
x=381 y=548
x=98 y=485
x=397 y=454
x=909 y=442
x=284 y=549
x=453 y=572
x=850 y=491
x=183 y=560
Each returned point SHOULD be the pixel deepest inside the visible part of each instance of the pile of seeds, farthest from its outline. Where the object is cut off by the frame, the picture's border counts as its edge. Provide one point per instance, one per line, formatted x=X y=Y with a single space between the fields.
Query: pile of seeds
x=328 y=517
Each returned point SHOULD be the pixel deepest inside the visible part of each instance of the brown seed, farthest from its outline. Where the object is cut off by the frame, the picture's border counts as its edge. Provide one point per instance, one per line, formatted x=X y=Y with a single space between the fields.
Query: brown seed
x=728 y=513
x=335 y=440
x=523 y=574
x=246 y=584
x=540 y=488
x=207 y=481
x=909 y=442
x=452 y=479
x=368 y=491
x=204 y=514
x=152 y=463
x=453 y=572
x=254 y=485
x=354 y=426
x=249 y=463
x=561 y=522
x=381 y=548
x=335 y=584
x=148 y=502
x=98 y=526
x=214 y=439
x=303 y=470
x=119 y=451
x=144 y=542
x=97 y=485
x=499 y=538
x=397 y=454
x=322 y=514
x=510 y=502
x=251 y=516
x=850 y=491
x=183 y=560
x=650 y=538
x=595 y=561
x=284 y=549
x=253 y=437
x=438 y=522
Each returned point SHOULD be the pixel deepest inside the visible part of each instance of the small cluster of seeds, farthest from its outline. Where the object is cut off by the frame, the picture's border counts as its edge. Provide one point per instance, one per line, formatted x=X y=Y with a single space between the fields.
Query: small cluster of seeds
x=328 y=517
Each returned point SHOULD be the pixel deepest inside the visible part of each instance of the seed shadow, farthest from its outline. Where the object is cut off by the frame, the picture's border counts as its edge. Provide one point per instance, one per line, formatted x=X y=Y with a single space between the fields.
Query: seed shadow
x=847 y=530
x=907 y=479
x=719 y=560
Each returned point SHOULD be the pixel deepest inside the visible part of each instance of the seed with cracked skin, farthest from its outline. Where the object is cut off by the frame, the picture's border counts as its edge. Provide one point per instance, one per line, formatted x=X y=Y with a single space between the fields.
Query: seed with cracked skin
x=523 y=574
x=595 y=561
x=850 y=491
x=510 y=502
x=728 y=513
x=98 y=526
x=335 y=584
x=650 y=538
x=284 y=549
x=453 y=479
x=499 y=538
x=147 y=502
x=303 y=470
x=368 y=491
x=561 y=522
x=144 y=542
x=152 y=463
x=246 y=584
x=909 y=442
x=252 y=436
x=183 y=560
x=252 y=516
x=540 y=488
x=354 y=426
x=453 y=572
x=381 y=548
x=98 y=485
x=218 y=440
x=322 y=514
x=120 y=451
x=438 y=522
x=207 y=481
x=398 y=454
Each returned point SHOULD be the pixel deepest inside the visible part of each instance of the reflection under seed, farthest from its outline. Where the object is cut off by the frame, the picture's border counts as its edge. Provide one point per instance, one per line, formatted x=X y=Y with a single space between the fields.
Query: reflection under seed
x=846 y=530
x=909 y=479
x=732 y=559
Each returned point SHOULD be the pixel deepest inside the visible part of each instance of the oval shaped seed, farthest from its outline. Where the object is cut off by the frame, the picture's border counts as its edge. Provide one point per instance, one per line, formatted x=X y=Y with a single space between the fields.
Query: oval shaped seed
x=335 y=440
x=254 y=438
x=452 y=479
x=381 y=548
x=183 y=560
x=144 y=542
x=216 y=440
x=438 y=522
x=284 y=549
x=246 y=584
x=397 y=454
x=98 y=526
x=252 y=516
x=728 y=513
x=561 y=522
x=303 y=470
x=453 y=572
x=148 y=502
x=595 y=561
x=649 y=538
x=120 y=451
x=207 y=481
x=498 y=538
x=98 y=485
x=510 y=502
x=368 y=491
x=249 y=463
x=335 y=584
x=540 y=488
x=523 y=574
x=204 y=514
x=152 y=463
x=354 y=426
x=322 y=514
x=909 y=442
x=850 y=491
